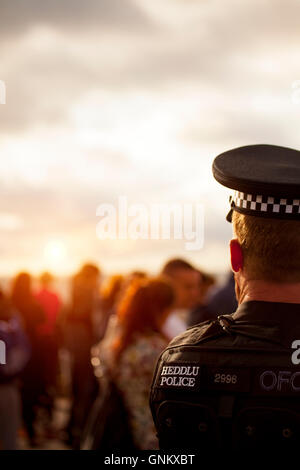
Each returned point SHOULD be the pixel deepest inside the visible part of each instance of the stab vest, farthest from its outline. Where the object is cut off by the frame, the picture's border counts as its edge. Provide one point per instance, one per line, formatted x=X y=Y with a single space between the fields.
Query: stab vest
x=226 y=383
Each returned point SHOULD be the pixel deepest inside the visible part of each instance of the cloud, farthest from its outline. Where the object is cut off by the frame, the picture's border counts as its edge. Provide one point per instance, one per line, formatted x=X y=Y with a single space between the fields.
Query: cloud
x=70 y=15
x=215 y=49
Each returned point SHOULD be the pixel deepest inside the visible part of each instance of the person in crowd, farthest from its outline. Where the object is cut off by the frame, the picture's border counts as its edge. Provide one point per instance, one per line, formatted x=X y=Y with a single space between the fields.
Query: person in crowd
x=14 y=355
x=110 y=293
x=137 y=274
x=50 y=303
x=206 y=285
x=131 y=353
x=79 y=337
x=32 y=316
x=222 y=300
x=129 y=280
x=185 y=280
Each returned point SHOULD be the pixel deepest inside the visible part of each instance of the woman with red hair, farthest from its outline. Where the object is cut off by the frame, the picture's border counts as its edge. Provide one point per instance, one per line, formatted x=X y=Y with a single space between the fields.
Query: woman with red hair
x=134 y=349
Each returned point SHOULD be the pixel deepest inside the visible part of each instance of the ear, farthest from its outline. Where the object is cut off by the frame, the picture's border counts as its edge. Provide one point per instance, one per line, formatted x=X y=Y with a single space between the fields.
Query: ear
x=237 y=260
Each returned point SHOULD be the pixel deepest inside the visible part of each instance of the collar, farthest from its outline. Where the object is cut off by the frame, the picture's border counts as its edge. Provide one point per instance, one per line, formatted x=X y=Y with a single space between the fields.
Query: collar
x=267 y=311
x=283 y=318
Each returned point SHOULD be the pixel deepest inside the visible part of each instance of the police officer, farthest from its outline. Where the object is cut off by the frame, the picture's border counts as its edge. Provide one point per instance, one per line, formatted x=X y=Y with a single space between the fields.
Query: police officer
x=234 y=382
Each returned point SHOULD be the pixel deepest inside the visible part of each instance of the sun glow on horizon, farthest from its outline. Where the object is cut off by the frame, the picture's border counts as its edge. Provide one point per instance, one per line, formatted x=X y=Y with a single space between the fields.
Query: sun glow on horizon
x=55 y=254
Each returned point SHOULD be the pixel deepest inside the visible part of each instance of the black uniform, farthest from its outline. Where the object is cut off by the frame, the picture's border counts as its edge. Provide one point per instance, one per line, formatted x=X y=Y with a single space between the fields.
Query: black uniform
x=231 y=382
x=234 y=382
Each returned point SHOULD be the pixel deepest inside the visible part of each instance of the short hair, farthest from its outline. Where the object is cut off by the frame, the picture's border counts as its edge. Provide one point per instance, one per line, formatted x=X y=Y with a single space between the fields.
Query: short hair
x=46 y=278
x=176 y=264
x=89 y=270
x=271 y=247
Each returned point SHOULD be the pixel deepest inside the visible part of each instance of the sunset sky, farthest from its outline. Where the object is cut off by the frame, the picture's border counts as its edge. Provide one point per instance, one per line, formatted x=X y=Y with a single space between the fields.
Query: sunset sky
x=133 y=98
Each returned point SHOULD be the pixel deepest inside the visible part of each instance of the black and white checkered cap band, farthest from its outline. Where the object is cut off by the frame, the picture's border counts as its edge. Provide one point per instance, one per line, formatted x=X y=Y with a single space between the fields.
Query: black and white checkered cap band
x=265 y=204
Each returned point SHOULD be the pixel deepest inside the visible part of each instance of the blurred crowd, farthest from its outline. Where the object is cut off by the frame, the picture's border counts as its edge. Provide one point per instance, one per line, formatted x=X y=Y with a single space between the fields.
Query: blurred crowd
x=97 y=351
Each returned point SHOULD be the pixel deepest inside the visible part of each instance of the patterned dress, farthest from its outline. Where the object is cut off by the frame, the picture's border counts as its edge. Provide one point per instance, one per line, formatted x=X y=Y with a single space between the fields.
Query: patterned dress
x=133 y=377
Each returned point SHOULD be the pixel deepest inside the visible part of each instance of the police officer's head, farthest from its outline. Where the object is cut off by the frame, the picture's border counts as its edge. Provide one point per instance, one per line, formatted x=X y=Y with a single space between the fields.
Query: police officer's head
x=265 y=212
x=265 y=249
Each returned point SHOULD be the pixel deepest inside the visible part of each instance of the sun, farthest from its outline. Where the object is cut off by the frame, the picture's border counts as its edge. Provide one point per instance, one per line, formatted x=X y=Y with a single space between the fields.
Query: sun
x=54 y=253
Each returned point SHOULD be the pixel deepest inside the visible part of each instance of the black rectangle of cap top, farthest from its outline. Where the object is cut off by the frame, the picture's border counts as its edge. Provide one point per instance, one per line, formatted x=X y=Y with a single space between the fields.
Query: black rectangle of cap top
x=260 y=169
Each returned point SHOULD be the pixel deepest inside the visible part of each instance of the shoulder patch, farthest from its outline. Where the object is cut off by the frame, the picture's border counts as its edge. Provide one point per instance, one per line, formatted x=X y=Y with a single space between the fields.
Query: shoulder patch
x=179 y=375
